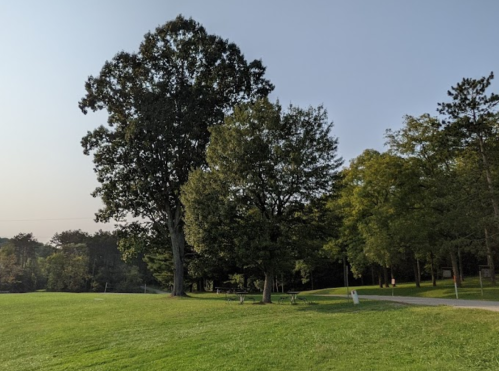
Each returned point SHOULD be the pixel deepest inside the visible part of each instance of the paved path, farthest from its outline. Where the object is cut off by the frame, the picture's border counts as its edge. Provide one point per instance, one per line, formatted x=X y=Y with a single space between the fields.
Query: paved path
x=458 y=303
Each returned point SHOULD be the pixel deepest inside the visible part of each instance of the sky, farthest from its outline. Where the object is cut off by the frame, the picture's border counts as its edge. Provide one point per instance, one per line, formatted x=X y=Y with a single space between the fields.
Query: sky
x=369 y=63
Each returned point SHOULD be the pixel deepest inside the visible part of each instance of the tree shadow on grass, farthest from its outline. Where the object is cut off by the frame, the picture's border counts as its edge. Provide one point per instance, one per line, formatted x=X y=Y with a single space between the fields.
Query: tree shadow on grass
x=334 y=305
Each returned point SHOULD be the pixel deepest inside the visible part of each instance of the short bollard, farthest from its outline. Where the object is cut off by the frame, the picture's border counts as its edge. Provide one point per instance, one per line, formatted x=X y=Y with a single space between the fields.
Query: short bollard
x=355 y=297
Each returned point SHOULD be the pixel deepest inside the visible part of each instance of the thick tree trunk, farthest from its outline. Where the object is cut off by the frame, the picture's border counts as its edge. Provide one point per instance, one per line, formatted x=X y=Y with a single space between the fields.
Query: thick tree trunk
x=455 y=268
x=178 y=243
x=385 y=276
x=417 y=277
x=490 y=258
x=267 y=287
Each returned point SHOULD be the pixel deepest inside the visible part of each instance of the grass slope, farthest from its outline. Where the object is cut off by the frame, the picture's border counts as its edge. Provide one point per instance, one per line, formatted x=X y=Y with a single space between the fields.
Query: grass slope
x=444 y=289
x=55 y=331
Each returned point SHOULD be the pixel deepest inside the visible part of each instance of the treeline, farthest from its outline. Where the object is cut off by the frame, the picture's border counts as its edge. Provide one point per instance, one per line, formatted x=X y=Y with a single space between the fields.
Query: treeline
x=73 y=261
x=431 y=199
x=226 y=187
x=428 y=204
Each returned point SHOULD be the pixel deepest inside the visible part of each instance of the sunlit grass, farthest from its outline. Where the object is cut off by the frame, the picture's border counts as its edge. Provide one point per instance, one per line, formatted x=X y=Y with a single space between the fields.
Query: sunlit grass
x=444 y=289
x=48 y=331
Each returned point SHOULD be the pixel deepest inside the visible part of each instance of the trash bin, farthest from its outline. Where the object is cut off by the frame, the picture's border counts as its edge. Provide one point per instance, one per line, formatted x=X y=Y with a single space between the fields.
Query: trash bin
x=355 y=296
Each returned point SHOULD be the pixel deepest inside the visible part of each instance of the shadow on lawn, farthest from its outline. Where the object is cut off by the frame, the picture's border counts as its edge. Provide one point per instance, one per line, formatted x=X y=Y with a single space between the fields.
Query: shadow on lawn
x=333 y=305
x=319 y=304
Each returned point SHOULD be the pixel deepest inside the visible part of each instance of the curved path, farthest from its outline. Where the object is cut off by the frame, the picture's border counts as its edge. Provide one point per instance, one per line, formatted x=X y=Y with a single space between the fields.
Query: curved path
x=458 y=303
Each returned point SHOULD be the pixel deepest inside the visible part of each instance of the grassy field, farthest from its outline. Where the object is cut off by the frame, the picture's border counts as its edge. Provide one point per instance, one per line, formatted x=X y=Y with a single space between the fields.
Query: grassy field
x=55 y=331
x=444 y=289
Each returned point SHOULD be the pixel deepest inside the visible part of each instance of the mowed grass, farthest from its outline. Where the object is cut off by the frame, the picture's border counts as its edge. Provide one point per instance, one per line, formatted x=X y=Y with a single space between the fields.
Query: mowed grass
x=444 y=289
x=56 y=331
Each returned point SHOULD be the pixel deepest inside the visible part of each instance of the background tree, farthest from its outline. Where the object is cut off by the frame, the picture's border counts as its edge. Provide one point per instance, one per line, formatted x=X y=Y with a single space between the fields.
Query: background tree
x=473 y=123
x=264 y=167
x=68 y=268
x=161 y=102
x=10 y=271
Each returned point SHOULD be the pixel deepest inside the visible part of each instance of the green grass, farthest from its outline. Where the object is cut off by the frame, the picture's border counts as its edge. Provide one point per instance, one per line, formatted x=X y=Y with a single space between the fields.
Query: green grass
x=444 y=289
x=50 y=331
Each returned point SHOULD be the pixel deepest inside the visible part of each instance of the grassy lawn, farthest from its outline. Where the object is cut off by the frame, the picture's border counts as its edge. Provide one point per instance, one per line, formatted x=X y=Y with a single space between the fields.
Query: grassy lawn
x=55 y=331
x=444 y=289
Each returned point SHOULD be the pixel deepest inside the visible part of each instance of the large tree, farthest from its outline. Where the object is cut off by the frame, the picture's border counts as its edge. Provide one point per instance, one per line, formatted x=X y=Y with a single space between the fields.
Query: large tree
x=473 y=124
x=265 y=165
x=160 y=103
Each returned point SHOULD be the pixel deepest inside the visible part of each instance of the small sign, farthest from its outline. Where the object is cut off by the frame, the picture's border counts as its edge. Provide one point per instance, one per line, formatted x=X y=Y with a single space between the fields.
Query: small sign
x=393 y=281
x=446 y=273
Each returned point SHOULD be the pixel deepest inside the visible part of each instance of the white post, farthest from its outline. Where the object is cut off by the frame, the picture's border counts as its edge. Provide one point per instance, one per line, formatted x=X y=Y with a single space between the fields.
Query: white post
x=455 y=287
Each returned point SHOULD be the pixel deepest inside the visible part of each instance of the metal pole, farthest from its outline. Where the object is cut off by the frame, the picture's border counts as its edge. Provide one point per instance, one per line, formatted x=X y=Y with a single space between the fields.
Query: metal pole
x=455 y=287
x=346 y=277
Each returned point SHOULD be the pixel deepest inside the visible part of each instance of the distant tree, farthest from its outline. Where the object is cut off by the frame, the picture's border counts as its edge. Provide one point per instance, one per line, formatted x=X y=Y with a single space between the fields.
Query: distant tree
x=265 y=165
x=161 y=102
x=25 y=245
x=68 y=268
x=27 y=250
x=10 y=271
x=68 y=237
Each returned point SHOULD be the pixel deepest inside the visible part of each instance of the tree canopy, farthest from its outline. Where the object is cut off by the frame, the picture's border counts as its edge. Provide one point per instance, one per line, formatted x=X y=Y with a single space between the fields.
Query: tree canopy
x=161 y=101
x=264 y=166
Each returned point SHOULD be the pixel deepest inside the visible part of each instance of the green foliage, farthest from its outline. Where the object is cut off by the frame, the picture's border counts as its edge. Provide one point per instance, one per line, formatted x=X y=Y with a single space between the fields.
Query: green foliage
x=161 y=102
x=265 y=165
x=68 y=268
x=10 y=271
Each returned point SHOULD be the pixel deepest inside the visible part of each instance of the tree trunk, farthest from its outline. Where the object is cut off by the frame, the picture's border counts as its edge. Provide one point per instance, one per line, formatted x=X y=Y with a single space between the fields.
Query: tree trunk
x=490 y=258
x=460 y=261
x=417 y=278
x=385 y=276
x=380 y=279
x=267 y=287
x=455 y=268
x=178 y=243
x=432 y=267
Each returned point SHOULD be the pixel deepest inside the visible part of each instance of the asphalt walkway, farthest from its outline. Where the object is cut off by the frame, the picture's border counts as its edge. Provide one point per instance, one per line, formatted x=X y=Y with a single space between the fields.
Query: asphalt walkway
x=458 y=303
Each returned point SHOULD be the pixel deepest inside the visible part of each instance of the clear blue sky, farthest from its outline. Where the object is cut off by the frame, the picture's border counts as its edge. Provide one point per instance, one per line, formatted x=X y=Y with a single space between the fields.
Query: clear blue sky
x=369 y=62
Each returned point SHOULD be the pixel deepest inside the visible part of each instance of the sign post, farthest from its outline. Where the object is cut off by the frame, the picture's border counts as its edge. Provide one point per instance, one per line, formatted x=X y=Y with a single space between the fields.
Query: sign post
x=393 y=285
x=455 y=287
